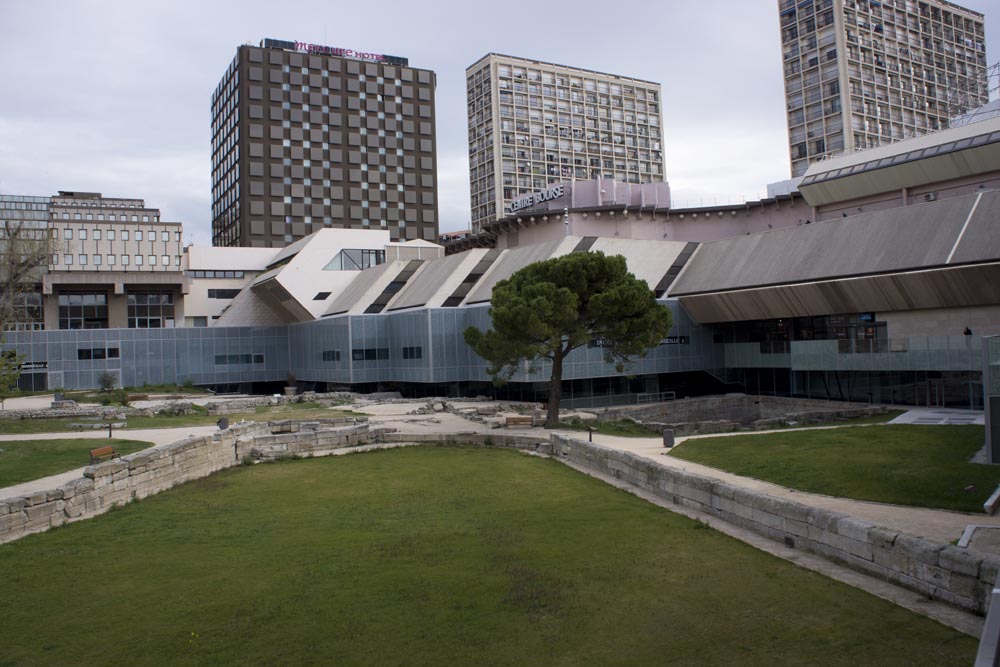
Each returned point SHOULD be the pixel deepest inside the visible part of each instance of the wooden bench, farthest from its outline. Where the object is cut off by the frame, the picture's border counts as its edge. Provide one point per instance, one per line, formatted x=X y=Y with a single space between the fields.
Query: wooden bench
x=520 y=421
x=107 y=452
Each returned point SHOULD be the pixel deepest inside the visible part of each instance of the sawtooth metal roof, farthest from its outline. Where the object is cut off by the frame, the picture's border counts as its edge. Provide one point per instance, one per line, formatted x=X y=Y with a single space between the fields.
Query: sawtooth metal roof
x=947 y=232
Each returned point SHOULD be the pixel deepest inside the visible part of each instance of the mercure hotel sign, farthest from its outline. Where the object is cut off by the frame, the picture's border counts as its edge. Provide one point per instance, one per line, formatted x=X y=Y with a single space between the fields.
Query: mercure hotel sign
x=337 y=51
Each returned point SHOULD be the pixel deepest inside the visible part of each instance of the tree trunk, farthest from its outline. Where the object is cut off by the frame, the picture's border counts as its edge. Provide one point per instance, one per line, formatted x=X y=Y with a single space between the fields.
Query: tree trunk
x=555 y=390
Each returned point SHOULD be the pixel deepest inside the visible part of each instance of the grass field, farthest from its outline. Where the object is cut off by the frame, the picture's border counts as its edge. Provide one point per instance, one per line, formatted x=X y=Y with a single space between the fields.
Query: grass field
x=622 y=427
x=923 y=466
x=430 y=556
x=25 y=460
x=199 y=418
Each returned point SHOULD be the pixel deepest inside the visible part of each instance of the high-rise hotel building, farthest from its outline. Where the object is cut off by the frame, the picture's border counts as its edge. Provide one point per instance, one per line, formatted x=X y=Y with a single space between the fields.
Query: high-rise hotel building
x=532 y=124
x=306 y=136
x=862 y=73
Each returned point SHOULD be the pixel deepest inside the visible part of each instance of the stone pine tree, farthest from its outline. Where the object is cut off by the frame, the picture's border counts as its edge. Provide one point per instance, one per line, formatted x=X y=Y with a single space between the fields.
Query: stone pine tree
x=548 y=309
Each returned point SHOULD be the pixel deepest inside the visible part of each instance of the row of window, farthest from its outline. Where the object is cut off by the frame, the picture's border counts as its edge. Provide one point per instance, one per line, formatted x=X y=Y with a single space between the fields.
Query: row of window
x=373 y=354
x=238 y=359
x=113 y=260
x=214 y=274
x=97 y=353
x=112 y=217
x=109 y=234
x=89 y=310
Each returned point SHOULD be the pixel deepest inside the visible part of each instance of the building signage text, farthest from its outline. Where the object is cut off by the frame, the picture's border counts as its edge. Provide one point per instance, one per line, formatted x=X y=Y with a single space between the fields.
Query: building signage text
x=337 y=51
x=532 y=200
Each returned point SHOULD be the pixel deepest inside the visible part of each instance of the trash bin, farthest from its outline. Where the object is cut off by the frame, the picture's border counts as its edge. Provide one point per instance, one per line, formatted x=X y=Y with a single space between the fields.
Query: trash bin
x=223 y=423
x=668 y=437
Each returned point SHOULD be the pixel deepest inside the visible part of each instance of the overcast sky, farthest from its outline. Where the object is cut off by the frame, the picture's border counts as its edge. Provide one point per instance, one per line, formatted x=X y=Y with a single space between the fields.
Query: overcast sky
x=114 y=97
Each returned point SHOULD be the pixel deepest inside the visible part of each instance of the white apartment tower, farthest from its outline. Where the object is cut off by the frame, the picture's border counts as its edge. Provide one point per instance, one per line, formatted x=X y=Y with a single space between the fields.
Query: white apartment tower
x=862 y=73
x=532 y=124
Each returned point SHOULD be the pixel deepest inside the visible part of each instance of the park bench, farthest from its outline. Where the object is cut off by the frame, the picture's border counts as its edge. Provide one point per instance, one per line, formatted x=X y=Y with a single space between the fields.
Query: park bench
x=107 y=452
x=528 y=421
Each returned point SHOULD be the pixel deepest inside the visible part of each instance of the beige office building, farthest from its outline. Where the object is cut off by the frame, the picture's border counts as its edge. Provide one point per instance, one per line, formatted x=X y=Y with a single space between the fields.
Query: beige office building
x=534 y=124
x=860 y=74
x=307 y=136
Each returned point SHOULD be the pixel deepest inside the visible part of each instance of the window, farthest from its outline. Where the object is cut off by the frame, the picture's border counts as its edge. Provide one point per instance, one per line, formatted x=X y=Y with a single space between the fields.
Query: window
x=331 y=355
x=111 y=235
x=223 y=293
x=83 y=310
x=150 y=310
x=138 y=234
x=82 y=259
x=69 y=260
x=112 y=353
x=355 y=260
x=83 y=234
x=68 y=234
x=238 y=359
x=413 y=353
x=370 y=354
x=96 y=235
x=152 y=260
x=199 y=321
x=165 y=260
x=125 y=235
x=124 y=260
x=321 y=296
x=164 y=236
x=177 y=237
x=97 y=260
x=111 y=260
x=138 y=260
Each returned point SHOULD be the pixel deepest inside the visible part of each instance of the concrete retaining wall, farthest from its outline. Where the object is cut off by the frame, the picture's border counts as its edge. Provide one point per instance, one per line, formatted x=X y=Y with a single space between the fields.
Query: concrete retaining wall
x=142 y=474
x=960 y=577
x=734 y=407
x=119 y=481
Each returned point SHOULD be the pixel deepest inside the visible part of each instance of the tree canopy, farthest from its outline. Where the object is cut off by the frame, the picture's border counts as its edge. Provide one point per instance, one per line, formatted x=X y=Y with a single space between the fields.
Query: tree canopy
x=550 y=308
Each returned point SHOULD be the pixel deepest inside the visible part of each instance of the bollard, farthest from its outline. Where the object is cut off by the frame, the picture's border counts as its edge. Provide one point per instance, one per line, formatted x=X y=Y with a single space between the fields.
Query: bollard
x=668 y=437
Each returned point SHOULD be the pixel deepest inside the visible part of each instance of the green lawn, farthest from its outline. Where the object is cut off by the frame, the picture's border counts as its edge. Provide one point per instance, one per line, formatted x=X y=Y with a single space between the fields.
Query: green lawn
x=923 y=466
x=261 y=413
x=25 y=460
x=623 y=427
x=430 y=556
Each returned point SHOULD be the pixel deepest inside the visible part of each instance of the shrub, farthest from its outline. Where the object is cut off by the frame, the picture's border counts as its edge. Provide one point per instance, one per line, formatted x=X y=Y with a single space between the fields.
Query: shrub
x=107 y=381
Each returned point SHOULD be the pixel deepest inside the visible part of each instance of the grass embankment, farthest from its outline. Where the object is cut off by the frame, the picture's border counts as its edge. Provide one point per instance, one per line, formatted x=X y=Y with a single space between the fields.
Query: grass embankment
x=199 y=418
x=622 y=427
x=922 y=466
x=430 y=556
x=25 y=460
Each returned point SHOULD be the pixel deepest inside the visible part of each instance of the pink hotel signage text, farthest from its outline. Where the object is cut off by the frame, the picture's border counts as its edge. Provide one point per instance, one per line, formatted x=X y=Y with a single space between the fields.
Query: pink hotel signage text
x=336 y=51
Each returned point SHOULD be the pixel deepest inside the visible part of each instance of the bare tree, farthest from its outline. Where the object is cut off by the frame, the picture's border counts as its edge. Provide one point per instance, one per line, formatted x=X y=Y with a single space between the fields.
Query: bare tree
x=25 y=250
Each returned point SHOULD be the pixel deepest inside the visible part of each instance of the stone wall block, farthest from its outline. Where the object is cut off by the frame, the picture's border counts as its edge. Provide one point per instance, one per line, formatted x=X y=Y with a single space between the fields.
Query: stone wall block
x=960 y=561
x=919 y=549
x=855 y=529
x=882 y=538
